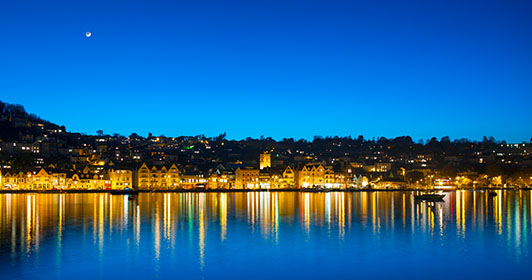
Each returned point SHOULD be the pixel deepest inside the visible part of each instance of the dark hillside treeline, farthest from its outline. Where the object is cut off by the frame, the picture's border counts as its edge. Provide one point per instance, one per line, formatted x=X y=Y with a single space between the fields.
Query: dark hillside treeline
x=48 y=144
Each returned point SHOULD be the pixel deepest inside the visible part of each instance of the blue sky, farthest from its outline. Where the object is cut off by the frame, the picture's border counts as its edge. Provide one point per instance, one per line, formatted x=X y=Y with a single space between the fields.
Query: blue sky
x=273 y=68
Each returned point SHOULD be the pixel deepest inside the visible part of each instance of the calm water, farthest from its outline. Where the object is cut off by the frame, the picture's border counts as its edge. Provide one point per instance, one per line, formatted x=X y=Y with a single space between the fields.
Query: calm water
x=266 y=236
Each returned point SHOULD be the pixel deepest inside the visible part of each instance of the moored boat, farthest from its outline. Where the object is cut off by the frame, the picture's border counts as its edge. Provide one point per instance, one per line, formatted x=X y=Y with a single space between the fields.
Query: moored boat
x=316 y=189
x=429 y=196
x=123 y=191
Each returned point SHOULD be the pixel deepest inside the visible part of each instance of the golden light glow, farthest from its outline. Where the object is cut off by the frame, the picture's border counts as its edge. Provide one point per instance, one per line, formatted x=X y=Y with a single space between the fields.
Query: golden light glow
x=31 y=217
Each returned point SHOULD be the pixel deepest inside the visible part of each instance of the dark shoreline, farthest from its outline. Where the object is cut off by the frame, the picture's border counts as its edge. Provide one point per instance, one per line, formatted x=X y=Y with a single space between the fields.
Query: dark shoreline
x=241 y=190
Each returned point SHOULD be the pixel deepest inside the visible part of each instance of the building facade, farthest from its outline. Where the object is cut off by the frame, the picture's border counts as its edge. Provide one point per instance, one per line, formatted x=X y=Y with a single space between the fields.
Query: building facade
x=265 y=160
x=154 y=178
x=247 y=178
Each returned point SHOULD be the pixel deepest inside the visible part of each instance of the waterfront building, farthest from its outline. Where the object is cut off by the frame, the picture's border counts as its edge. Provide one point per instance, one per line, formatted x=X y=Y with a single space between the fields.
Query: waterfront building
x=40 y=180
x=58 y=180
x=288 y=178
x=151 y=179
x=247 y=178
x=317 y=175
x=360 y=181
x=364 y=182
x=92 y=177
x=16 y=181
x=312 y=175
x=219 y=181
x=121 y=178
x=340 y=180
x=389 y=183
x=143 y=177
x=443 y=183
x=221 y=178
x=269 y=178
x=193 y=180
x=89 y=181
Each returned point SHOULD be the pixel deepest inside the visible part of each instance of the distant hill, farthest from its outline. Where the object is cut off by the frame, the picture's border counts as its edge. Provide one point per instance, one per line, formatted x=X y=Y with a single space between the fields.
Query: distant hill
x=17 y=125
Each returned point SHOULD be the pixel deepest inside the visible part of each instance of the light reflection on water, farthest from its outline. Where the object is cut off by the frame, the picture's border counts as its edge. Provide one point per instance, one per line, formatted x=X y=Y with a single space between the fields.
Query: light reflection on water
x=264 y=235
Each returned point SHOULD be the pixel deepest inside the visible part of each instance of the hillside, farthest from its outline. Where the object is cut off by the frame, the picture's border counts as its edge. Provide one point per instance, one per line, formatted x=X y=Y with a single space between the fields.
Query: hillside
x=17 y=125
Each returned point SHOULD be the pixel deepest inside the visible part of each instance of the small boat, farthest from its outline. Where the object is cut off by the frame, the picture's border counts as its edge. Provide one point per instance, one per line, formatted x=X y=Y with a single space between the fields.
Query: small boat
x=492 y=193
x=429 y=196
x=315 y=189
x=124 y=191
